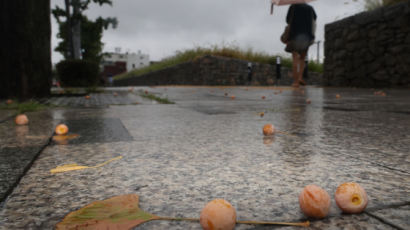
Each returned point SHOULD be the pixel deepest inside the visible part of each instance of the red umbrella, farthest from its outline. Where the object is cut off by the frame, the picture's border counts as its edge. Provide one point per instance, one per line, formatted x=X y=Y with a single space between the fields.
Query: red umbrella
x=286 y=2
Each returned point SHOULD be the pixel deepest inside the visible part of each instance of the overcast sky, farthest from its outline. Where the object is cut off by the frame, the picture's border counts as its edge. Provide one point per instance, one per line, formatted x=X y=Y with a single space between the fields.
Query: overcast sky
x=159 y=28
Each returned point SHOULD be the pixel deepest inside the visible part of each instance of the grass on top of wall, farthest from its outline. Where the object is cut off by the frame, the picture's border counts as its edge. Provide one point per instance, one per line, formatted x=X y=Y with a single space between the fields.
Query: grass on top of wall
x=224 y=51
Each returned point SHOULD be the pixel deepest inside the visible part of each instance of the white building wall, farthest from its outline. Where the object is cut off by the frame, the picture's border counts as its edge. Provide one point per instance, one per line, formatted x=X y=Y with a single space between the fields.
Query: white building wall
x=133 y=60
x=137 y=60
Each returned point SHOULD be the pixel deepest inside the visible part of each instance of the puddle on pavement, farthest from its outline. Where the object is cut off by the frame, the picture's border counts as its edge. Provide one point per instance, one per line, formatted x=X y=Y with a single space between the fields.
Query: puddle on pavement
x=97 y=130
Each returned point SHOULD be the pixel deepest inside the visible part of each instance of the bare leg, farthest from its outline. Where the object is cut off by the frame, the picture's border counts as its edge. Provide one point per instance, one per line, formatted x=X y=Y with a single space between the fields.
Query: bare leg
x=302 y=67
x=295 y=69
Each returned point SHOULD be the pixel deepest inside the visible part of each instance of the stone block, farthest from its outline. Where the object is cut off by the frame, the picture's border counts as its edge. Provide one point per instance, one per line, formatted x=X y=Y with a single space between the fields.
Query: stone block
x=407 y=39
x=368 y=57
x=353 y=35
x=380 y=75
x=372 y=33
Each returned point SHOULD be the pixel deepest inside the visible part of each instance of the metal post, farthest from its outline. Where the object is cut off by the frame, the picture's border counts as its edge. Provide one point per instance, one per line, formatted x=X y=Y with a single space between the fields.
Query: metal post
x=318 y=51
x=249 y=72
x=278 y=69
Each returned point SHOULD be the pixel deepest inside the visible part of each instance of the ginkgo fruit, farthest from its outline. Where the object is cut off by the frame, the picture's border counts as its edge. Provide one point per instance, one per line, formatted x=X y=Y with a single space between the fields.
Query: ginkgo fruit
x=351 y=197
x=218 y=214
x=61 y=129
x=314 y=201
x=268 y=130
x=21 y=119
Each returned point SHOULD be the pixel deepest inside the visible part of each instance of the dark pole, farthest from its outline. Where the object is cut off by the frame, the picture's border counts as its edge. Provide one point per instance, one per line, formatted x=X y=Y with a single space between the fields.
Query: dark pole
x=278 y=69
x=250 y=72
x=69 y=31
x=318 y=51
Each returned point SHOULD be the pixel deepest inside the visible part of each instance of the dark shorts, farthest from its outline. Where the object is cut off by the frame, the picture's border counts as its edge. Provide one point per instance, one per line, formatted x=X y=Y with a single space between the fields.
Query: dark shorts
x=299 y=45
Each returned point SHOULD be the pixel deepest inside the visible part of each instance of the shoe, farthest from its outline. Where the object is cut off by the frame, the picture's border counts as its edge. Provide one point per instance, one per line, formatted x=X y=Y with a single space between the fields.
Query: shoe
x=295 y=85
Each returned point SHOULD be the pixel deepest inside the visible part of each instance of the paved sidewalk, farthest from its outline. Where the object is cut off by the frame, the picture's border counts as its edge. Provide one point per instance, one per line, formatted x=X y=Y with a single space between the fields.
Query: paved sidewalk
x=177 y=157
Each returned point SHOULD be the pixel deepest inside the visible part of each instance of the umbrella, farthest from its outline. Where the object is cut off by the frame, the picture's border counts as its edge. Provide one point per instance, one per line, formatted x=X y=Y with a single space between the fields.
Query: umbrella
x=286 y=2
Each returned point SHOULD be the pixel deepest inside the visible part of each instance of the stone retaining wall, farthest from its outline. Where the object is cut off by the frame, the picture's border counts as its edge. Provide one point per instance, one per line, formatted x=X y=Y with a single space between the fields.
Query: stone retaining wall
x=213 y=70
x=370 y=49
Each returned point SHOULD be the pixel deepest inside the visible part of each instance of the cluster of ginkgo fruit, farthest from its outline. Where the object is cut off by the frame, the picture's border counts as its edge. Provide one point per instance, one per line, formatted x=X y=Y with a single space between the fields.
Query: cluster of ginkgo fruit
x=313 y=201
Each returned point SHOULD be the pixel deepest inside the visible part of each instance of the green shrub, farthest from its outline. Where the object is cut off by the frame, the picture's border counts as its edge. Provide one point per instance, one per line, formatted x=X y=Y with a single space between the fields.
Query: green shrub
x=315 y=67
x=78 y=73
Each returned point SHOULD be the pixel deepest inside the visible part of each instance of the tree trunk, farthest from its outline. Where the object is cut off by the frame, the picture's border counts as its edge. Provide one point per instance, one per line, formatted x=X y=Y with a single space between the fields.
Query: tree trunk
x=69 y=31
x=77 y=40
x=76 y=28
x=25 y=55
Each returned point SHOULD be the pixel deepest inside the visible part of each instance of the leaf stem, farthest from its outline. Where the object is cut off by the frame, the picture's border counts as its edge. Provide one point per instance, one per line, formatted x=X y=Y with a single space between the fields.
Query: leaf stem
x=177 y=218
x=301 y=224
x=285 y=133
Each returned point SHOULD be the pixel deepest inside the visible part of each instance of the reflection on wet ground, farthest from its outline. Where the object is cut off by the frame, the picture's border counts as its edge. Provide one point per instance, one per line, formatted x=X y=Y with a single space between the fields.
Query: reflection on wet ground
x=178 y=157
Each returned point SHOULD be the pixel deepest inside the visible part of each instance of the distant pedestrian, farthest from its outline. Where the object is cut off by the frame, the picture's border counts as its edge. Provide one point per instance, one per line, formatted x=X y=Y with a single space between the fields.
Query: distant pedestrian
x=301 y=20
x=110 y=80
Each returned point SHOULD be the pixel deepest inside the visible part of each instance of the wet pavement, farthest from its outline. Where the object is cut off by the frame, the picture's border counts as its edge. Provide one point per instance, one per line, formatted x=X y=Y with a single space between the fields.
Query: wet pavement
x=178 y=157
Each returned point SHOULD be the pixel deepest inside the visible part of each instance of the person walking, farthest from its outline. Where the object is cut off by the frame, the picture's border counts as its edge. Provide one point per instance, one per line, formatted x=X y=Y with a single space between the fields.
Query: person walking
x=301 y=20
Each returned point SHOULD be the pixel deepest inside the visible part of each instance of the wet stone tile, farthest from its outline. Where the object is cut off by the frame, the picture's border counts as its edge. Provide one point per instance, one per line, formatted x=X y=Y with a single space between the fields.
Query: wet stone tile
x=37 y=132
x=182 y=156
x=97 y=130
x=98 y=100
x=397 y=216
x=13 y=162
x=6 y=115
x=262 y=182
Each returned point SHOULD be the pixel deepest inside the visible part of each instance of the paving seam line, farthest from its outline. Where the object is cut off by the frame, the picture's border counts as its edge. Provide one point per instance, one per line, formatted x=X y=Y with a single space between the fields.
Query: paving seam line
x=388 y=167
x=383 y=220
x=28 y=166
x=378 y=164
x=389 y=206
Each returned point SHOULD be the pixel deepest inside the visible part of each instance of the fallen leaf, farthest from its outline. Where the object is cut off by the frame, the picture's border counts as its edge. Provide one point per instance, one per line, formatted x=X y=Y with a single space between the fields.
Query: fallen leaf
x=68 y=167
x=119 y=212
x=72 y=167
x=123 y=212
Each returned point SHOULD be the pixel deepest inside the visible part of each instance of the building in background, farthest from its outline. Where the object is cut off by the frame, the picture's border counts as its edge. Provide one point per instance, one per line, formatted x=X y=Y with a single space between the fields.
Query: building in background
x=132 y=60
x=116 y=63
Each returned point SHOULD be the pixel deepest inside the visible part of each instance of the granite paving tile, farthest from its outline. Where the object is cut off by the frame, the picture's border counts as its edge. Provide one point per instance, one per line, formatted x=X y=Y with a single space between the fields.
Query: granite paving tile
x=209 y=146
x=261 y=181
x=13 y=163
x=19 y=145
x=6 y=115
x=397 y=216
x=91 y=130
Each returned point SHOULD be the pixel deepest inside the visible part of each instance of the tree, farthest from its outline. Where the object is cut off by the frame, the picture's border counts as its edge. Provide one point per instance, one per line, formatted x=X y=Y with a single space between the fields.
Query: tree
x=91 y=35
x=25 y=29
x=81 y=36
